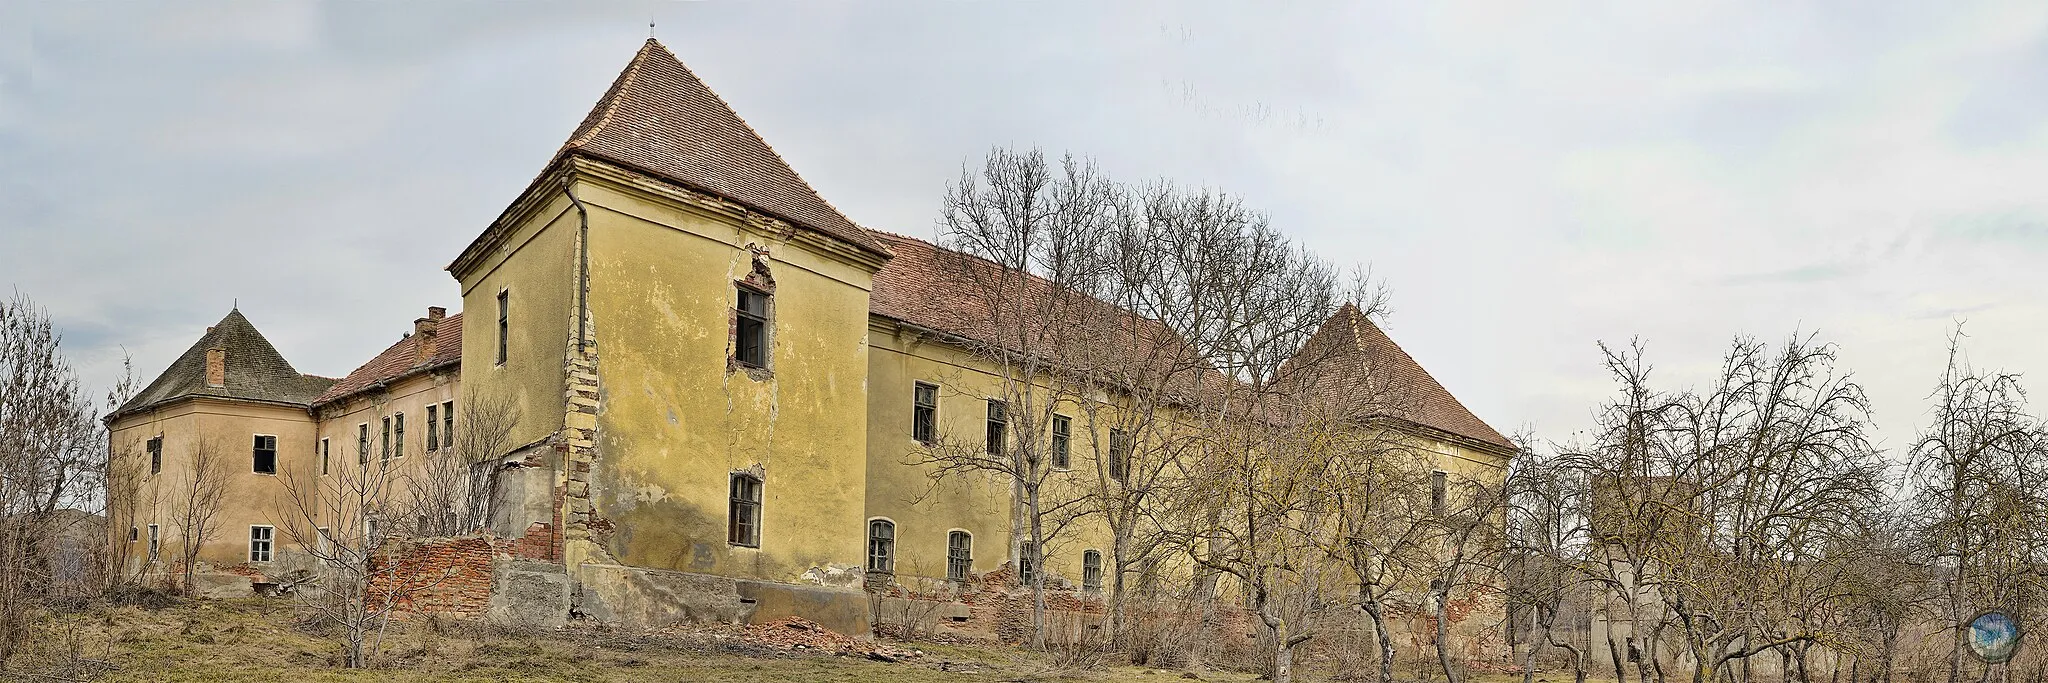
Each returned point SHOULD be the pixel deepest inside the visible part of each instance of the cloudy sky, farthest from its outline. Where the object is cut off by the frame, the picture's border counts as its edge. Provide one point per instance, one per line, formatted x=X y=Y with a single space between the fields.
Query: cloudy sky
x=1529 y=181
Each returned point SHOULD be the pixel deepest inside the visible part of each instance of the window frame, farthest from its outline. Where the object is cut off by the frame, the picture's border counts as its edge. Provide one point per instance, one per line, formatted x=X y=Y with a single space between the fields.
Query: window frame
x=1062 y=442
x=1091 y=570
x=269 y=540
x=448 y=424
x=1439 y=492
x=504 y=324
x=256 y=451
x=433 y=427
x=1119 y=453
x=385 y=454
x=155 y=446
x=1027 y=565
x=959 y=556
x=997 y=429
x=397 y=435
x=924 y=417
x=326 y=455
x=744 y=530
x=762 y=321
x=881 y=549
x=362 y=443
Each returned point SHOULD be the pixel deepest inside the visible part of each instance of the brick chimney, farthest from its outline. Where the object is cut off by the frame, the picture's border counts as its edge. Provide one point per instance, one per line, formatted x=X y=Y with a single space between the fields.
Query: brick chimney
x=217 y=367
x=424 y=333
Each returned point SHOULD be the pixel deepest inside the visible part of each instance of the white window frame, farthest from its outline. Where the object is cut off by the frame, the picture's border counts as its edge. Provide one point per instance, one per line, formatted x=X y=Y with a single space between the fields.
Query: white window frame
x=269 y=542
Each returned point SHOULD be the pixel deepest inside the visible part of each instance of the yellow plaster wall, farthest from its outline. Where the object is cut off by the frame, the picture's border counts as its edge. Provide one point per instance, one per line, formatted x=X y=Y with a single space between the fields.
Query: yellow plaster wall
x=674 y=422
x=409 y=397
x=537 y=264
x=251 y=498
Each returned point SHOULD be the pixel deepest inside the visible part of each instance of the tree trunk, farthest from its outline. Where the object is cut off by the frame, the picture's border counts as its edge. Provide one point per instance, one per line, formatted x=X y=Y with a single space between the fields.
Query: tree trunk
x=1443 y=639
x=1386 y=640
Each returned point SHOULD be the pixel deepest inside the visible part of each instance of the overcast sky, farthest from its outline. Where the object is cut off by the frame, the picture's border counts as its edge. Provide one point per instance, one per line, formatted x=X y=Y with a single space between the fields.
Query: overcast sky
x=1529 y=181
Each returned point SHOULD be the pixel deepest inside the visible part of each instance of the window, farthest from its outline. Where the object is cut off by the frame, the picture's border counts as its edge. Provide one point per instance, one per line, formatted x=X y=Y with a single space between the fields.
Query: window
x=750 y=336
x=386 y=452
x=997 y=427
x=1091 y=570
x=1437 y=492
x=155 y=446
x=264 y=454
x=447 y=424
x=1027 y=562
x=325 y=544
x=959 y=555
x=882 y=546
x=325 y=451
x=1119 y=454
x=155 y=541
x=373 y=532
x=363 y=443
x=398 y=435
x=1062 y=434
x=134 y=534
x=743 y=522
x=504 y=309
x=924 y=413
x=433 y=428
x=259 y=542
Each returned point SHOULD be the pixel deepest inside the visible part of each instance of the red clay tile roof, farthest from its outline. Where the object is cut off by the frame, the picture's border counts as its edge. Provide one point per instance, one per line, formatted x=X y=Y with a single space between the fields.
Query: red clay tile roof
x=658 y=118
x=1370 y=367
x=400 y=360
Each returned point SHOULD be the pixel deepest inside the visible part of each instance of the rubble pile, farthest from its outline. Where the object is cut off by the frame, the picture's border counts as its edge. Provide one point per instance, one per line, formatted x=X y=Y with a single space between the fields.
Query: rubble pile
x=796 y=633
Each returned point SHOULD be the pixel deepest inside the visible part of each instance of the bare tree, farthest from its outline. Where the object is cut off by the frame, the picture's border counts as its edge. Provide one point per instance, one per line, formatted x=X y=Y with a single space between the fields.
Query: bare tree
x=450 y=492
x=196 y=503
x=1021 y=236
x=1551 y=549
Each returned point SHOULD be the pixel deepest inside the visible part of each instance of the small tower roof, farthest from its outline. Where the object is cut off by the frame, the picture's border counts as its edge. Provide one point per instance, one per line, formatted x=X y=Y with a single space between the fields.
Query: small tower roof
x=659 y=119
x=254 y=371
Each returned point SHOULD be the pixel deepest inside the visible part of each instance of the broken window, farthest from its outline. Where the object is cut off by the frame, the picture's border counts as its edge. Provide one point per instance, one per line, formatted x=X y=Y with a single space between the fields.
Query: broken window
x=959 y=555
x=998 y=426
x=1062 y=435
x=1091 y=570
x=504 y=309
x=260 y=538
x=433 y=428
x=325 y=451
x=264 y=454
x=1437 y=492
x=134 y=534
x=924 y=413
x=750 y=336
x=882 y=546
x=1027 y=562
x=155 y=446
x=744 y=517
x=155 y=541
x=1119 y=454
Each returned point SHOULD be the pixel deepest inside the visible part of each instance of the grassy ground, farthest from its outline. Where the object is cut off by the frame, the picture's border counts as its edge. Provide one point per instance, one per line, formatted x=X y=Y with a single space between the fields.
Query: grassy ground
x=259 y=640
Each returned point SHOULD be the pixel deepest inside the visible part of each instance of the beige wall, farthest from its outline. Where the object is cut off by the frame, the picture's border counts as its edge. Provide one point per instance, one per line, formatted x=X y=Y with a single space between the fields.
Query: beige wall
x=229 y=427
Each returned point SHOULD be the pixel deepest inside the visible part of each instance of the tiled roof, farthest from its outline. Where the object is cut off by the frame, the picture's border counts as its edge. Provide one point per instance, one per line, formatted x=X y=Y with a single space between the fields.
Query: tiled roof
x=254 y=371
x=658 y=118
x=399 y=360
x=1372 y=373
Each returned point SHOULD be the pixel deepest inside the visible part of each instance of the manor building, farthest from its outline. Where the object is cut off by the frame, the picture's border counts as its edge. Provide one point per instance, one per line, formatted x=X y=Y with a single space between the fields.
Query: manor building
x=704 y=380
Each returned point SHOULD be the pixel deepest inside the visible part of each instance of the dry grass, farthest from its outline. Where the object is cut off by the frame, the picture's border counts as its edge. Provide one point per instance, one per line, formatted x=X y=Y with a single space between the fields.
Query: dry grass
x=260 y=640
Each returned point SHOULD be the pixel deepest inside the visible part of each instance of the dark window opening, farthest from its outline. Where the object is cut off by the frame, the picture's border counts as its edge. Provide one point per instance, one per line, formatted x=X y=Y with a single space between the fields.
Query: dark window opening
x=398 y=435
x=155 y=541
x=1062 y=436
x=750 y=339
x=363 y=443
x=1119 y=454
x=386 y=452
x=924 y=413
x=155 y=446
x=504 y=309
x=882 y=546
x=447 y=424
x=1437 y=493
x=326 y=451
x=959 y=555
x=1027 y=562
x=998 y=427
x=264 y=454
x=743 y=526
x=433 y=428
x=1091 y=571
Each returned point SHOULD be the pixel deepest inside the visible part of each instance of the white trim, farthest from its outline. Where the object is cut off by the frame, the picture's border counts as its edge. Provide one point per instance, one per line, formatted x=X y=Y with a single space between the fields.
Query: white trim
x=269 y=543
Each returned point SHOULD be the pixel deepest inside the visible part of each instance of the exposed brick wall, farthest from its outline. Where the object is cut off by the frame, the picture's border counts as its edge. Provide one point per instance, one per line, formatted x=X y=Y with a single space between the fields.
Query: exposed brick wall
x=443 y=575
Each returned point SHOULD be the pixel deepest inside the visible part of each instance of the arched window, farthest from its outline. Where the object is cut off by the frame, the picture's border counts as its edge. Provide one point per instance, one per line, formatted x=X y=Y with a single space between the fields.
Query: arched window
x=959 y=555
x=1091 y=570
x=882 y=546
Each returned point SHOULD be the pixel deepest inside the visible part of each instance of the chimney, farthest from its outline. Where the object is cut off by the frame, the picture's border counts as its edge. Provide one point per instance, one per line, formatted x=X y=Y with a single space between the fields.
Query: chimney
x=423 y=332
x=217 y=367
